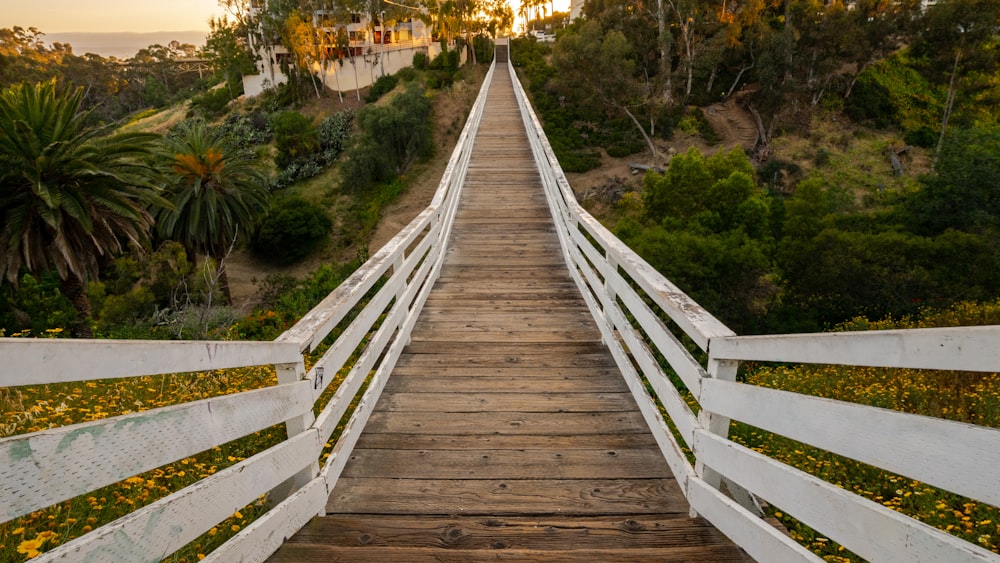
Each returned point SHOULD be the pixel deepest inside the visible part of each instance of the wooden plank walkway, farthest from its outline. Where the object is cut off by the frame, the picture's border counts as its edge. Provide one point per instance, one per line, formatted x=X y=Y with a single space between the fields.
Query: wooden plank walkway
x=506 y=431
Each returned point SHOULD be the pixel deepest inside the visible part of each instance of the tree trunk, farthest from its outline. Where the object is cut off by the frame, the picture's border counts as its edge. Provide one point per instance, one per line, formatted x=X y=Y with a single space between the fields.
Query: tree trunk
x=948 y=105
x=224 y=282
x=357 y=84
x=761 y=131
x=711 y=80
x=736 y=81
x=638 y=126
x=76 y=291
x=340 y=92
x=665 y=41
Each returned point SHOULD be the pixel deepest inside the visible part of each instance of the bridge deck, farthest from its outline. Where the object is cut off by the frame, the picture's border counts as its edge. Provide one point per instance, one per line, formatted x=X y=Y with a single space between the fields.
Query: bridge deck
x=506 y=430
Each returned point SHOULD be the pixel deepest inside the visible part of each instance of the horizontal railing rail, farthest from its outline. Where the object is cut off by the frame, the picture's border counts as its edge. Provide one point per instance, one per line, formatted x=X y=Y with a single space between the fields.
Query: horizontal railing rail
x=635 y=307
x=40 y=469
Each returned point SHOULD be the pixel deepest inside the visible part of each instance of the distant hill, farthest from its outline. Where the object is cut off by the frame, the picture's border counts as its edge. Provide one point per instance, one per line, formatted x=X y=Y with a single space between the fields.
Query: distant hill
x=122 y=45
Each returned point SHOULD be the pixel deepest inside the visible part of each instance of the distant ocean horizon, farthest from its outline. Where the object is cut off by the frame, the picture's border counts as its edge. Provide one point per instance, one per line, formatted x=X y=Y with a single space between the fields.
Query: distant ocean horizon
x=123 y=45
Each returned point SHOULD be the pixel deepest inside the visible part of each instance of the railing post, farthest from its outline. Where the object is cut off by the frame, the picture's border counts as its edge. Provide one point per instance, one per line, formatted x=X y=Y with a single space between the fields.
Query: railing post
x=723 y=370
x=609 y=288
x=290 y=373
x=396 y=267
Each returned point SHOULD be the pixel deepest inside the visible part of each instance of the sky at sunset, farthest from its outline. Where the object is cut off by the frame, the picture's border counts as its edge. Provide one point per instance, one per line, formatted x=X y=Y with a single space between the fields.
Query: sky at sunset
x=54 y=16
x=59 y=16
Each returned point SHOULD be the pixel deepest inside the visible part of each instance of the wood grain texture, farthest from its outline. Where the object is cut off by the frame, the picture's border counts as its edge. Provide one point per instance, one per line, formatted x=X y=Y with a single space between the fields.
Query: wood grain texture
x=506 y=406
x=509 y=497
x=639 y=530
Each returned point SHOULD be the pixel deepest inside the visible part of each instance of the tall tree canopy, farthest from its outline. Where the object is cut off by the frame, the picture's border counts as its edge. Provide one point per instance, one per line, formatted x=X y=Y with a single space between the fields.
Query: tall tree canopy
x=215 y=195
x=70 y=196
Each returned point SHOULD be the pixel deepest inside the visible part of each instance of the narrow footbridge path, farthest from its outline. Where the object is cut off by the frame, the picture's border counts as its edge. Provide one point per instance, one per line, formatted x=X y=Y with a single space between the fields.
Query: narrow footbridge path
x=504 y=380
x=506 y=427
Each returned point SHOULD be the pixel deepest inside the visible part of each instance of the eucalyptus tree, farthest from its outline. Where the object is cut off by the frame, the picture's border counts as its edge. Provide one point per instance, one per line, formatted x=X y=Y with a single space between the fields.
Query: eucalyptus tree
x=301 y=37
x=601 y=65
x=215 y=194
x=71 y=196
x=958 y=40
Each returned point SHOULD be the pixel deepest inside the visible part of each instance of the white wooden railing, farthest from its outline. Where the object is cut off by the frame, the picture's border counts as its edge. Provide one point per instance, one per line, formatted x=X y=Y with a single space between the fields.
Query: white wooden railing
x=630 y=299
x=43 y=468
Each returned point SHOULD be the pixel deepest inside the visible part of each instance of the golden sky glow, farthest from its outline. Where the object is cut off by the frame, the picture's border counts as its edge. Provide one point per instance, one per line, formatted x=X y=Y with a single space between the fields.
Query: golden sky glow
x=55 y=16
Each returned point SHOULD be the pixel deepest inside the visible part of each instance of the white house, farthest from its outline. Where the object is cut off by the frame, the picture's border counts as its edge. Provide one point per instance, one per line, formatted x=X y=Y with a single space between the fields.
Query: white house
x=369 y=50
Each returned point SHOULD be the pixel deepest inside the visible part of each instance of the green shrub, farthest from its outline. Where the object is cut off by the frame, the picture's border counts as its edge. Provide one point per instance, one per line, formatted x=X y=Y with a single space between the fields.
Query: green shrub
x=443 y=68
x=420 y=60
x=35 y=304
x=438 y=79
x=382 y=86
x=407 y=73
x=333 y=133
x=870 y=102
x=484 y=48
x=290 y=231
x=892 y=93
x=924 y=137
x=213 y=102
x=365 y=163
x=294 y=136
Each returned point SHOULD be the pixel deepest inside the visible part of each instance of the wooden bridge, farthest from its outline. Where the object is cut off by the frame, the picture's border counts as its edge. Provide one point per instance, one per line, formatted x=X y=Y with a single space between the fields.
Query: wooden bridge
x=509 y=359
x=505 y=423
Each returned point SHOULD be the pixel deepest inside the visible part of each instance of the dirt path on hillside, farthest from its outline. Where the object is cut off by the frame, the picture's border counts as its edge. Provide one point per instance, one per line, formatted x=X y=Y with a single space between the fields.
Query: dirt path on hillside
x=733 y=124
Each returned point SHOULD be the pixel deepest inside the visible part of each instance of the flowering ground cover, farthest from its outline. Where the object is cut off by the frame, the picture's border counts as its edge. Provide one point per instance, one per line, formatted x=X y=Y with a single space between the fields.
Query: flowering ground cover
x=965 y=397
x=34 y=408
x=961 y=396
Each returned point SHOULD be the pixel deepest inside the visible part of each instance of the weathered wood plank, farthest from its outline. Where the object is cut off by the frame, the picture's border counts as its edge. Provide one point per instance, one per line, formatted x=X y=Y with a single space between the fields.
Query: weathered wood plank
x=494 y=375
x=389 y=441
x=37 y=361
x=508 y=326
x=499 y=423
x=542 y=383
x=508 y=402
x=486 y=464
x=492 y=497
x=493 y=348
x=308 y=553
x=512 y=359
x=923 y=448
x=46 y=467
x=640 y=530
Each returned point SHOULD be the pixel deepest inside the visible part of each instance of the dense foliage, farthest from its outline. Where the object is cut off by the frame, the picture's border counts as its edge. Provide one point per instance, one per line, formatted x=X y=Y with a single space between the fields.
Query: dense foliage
x=393 y=136
x=767 y=262
x=291 y=230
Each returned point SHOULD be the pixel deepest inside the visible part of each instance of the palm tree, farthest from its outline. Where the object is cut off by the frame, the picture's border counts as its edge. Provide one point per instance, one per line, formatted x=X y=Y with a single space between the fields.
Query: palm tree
x=70 y=195
x=215 y=194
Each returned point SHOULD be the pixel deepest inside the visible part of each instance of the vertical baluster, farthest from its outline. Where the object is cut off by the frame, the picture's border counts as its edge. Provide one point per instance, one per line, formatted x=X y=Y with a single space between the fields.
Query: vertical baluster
x=724 y=370
x=290 y=373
